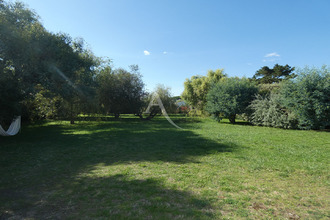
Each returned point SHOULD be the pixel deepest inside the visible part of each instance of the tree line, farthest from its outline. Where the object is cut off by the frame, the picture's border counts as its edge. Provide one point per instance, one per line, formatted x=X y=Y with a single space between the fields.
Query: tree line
x=51 y=75
x=275 y=97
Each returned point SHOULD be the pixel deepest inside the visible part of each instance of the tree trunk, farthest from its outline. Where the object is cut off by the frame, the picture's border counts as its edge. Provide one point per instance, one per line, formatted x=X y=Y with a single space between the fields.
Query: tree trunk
x=152 y=114
x=71 y=116
x=232 y=118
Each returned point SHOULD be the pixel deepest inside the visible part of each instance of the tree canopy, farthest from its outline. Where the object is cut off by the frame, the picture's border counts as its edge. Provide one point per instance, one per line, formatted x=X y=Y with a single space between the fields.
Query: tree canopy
x=196 y=88
x=308 y=97
x=31 y=56
x=266 y=75
x=229 y=97
x=120 y=91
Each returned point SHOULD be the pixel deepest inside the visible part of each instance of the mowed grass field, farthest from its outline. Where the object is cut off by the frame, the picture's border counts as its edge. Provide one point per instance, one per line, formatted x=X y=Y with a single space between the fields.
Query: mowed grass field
x=129 y=169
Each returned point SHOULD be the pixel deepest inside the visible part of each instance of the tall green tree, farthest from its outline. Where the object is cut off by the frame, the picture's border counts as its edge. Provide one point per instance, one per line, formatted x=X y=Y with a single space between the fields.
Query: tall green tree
x=30 y=55
x=196 y=88
x=266 y=75
x=120 y=91
x=18 y=26
x=230 y=97
x=73 y=75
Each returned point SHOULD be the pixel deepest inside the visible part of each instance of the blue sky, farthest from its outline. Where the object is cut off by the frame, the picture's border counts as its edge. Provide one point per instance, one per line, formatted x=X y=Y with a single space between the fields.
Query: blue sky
x=172 y=40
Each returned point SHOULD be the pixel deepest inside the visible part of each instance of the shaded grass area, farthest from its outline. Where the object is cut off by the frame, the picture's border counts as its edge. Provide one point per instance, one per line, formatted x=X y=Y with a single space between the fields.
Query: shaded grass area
x=128 y=169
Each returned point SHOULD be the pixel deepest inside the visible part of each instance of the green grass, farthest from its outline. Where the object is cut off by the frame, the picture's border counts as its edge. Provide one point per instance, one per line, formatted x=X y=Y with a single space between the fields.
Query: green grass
x=128 y=169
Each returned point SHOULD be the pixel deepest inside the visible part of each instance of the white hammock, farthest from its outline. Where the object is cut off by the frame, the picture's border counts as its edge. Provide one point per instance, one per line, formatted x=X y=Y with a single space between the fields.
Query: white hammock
x=13 y=128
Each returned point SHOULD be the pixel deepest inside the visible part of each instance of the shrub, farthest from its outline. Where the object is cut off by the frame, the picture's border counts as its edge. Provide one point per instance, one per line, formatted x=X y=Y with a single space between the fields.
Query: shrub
x=308 y=97
x=267 y=111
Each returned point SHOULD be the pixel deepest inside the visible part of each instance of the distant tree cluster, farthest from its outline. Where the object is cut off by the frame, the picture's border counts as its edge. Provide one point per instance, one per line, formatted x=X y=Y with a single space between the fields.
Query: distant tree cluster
x=302 y=101
x=50 y=75
x=275 y=97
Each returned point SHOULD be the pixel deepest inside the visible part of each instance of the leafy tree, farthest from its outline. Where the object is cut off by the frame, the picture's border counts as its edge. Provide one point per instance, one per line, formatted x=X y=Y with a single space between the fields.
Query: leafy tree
x=229 y=97
x=120 y=91
x=17 y=26
x=43 y=104
x=266 y=75
x=30 y=55
x=308 y=97
x=73 y=75
x=196 y=88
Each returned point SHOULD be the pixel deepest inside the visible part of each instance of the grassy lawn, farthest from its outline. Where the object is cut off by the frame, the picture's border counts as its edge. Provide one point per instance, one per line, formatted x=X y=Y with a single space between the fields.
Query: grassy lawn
x=128 y=169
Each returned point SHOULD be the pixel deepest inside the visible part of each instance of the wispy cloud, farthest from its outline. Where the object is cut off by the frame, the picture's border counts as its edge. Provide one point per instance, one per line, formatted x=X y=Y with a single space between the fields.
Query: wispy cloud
x=147 y=53
x=165 y=52
x=274 y=54
x=271 y=57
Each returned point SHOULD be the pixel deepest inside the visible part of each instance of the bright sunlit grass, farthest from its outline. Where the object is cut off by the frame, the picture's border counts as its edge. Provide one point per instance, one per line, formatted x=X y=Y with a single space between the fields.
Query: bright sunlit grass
x=129 y=169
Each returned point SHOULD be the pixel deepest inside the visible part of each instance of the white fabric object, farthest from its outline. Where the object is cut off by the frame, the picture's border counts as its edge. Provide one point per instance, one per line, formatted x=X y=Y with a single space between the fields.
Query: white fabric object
x=13 y=128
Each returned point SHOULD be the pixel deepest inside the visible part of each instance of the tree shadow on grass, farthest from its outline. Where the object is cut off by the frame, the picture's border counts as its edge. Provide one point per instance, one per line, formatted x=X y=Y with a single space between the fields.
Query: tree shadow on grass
x=40 y=171
x=114 y=197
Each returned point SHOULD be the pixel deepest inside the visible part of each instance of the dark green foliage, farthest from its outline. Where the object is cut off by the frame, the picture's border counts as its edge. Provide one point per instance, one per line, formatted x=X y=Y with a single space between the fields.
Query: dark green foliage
x=267 y=111
x=10 y=98
x=308 y=97
x=120 y=91
x=31 y=56
x=275 y=75
x=43 y=104
x=229 y=97
x=16 y=26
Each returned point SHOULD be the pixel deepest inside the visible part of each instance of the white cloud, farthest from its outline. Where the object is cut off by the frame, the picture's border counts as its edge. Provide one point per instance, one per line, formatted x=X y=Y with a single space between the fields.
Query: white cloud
x=272 y=55
x=147 y=53
x=164 y=52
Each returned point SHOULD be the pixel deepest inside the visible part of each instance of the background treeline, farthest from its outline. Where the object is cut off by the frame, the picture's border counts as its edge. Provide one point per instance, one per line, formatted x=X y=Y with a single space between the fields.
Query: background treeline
x=51 y=75
x=275 y=97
